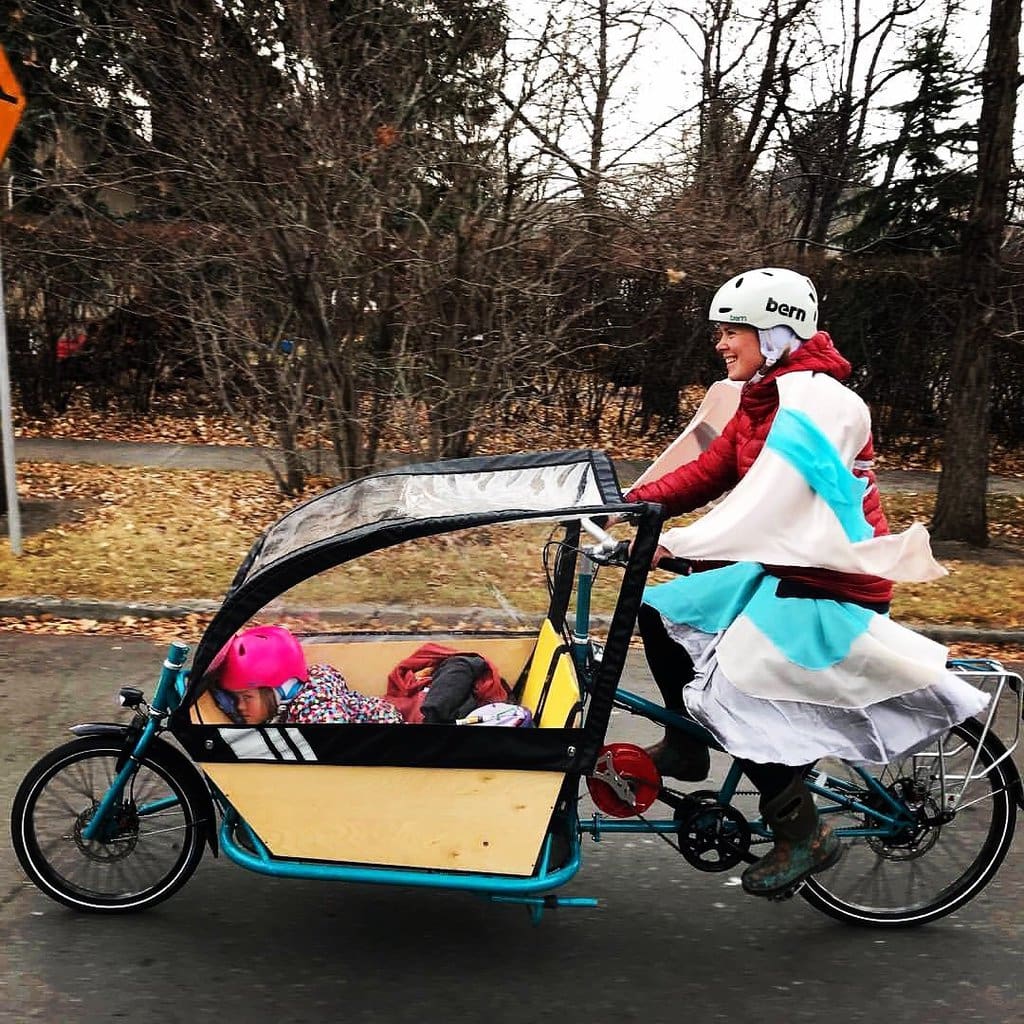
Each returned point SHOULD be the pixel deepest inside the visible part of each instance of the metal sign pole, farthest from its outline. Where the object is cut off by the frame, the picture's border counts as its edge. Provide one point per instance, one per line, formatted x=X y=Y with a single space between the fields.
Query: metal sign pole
x=12 y=105
x=7 y=425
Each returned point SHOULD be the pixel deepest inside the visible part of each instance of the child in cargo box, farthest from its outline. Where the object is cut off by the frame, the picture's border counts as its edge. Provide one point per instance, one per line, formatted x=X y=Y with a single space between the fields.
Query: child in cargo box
x=260 y=676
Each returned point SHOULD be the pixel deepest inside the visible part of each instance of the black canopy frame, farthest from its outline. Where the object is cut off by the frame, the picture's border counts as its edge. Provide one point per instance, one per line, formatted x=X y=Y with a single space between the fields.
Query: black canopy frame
x=427 y=499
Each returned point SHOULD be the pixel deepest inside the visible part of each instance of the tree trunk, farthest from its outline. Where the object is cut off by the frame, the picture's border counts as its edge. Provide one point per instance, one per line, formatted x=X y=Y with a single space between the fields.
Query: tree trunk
x=960 y=504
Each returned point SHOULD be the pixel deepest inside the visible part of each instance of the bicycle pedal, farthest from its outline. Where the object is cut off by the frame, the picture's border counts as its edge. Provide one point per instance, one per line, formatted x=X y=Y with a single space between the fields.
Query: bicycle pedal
x=788 y=893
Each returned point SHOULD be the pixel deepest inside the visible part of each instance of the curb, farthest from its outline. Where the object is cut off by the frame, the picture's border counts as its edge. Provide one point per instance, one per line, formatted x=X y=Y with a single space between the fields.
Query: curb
x=87 y=608
x=105 y=611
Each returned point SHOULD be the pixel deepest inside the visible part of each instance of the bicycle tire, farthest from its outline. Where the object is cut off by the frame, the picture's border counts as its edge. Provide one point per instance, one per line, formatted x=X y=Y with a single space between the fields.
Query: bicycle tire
x=135 y=868
x=865 y=887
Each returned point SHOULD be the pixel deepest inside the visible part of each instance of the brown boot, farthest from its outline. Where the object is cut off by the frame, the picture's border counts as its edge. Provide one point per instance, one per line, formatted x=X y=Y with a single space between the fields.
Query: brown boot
x=681 y=756
x=804 y=844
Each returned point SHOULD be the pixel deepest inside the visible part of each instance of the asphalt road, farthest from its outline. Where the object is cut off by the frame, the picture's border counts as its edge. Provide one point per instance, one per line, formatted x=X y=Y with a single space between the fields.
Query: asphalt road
x=666 y=944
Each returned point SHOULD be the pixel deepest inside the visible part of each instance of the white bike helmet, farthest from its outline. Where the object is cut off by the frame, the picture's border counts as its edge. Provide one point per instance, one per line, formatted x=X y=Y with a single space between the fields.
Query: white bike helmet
x=767 y=298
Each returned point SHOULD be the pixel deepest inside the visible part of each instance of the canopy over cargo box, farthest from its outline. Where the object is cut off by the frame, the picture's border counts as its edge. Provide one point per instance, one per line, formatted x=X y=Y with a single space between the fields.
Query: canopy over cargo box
x=388 y=508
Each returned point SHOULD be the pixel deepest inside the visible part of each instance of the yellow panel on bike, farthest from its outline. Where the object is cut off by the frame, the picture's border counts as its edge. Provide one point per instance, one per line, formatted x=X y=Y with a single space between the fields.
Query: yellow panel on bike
x=551 y=691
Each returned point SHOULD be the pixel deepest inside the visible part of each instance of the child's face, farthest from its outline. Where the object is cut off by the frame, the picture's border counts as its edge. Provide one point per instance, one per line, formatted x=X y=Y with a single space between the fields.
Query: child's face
x=740 y=347
x=251 y=705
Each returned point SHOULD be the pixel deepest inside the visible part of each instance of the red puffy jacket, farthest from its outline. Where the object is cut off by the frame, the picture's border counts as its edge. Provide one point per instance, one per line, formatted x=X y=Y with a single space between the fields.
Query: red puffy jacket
x=725 y=463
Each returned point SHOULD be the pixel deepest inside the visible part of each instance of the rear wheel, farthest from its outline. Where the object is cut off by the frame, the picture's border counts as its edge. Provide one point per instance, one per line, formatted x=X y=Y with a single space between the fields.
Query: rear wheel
x=937 y=858
x=149 y=850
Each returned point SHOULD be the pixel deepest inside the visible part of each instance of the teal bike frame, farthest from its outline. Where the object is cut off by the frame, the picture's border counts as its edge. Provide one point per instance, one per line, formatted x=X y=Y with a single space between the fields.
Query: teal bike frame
x=889 y=815
x=103 y=821
x=885 y=817
x=841 y=794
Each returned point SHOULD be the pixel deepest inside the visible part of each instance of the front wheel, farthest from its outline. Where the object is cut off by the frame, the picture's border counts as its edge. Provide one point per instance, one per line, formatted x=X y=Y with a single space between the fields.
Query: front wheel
x=148 y=850
x=958 y=816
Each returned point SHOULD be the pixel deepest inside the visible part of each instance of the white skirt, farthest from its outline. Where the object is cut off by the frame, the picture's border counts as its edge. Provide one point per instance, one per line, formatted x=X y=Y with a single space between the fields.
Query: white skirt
x=769 y=731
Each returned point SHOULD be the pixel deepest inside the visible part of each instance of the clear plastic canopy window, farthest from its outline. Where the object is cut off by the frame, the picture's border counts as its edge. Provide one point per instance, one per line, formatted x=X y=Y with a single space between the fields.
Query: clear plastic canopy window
x=401 y=497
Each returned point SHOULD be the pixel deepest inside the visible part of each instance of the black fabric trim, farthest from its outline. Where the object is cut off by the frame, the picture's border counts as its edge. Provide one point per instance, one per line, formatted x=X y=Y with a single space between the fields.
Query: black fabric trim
x=550 y=674
x=243 y=570
x=405 y=746
x=519 y=689
x=620 y=632
x=564 y=575
x=573 y=712
x=796 y=589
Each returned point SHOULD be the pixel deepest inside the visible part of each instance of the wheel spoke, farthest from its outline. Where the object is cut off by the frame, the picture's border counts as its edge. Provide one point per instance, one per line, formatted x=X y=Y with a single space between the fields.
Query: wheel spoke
x=133 y=860
x=931 y=866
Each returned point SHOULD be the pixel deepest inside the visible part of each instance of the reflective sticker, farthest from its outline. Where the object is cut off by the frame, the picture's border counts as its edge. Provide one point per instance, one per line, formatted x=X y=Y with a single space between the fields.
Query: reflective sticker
x=301 y=744
x=272 y=743
x=248 y=744
x=282 y=745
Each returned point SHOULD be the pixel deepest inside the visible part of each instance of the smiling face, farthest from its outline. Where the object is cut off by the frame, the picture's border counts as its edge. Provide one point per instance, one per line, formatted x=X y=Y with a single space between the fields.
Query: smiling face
x=740 y=347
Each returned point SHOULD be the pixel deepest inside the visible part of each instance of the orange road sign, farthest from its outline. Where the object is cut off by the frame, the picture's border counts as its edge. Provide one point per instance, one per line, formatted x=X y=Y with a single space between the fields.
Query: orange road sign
x=12 y=103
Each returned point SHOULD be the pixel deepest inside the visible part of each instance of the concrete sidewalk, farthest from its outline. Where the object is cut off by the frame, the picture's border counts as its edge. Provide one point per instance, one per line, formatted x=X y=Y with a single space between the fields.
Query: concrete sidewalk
x=230 y=457
x=258 y=460
x=241 y=458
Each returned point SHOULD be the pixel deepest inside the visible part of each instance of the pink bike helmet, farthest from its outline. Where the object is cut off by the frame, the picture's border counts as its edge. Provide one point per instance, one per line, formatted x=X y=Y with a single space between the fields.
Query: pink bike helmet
x=260 y=656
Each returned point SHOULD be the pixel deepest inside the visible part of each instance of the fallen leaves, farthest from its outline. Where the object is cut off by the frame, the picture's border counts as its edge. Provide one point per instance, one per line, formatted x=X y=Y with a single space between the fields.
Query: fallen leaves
x=188 y=417
x=156 y=536
x=189 y=628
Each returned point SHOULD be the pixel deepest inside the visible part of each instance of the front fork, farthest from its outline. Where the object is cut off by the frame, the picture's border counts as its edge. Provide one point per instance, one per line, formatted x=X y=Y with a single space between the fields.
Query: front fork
x=100 y=822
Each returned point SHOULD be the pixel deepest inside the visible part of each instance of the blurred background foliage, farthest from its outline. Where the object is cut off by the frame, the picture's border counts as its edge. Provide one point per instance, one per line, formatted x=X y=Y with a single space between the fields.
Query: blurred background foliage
x=369 y=220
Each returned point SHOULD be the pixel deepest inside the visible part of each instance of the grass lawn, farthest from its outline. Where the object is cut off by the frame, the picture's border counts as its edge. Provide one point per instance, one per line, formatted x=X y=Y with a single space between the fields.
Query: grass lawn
x=145 y=535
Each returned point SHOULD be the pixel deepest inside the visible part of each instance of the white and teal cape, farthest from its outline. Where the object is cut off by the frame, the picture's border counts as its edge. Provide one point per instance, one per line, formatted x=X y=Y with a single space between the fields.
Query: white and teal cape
x=792 y=680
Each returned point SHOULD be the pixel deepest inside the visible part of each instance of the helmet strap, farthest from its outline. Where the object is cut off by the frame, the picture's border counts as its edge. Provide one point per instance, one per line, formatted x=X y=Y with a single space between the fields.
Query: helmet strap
x=777 y=342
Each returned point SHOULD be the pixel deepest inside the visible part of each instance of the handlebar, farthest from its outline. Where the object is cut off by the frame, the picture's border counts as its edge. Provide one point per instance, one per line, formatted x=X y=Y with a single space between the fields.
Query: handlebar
x=609 y=551
x=606 y=544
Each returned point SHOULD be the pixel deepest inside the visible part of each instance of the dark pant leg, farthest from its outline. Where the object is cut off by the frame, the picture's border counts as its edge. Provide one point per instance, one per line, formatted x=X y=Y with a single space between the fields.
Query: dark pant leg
x=770 y=779
x=669 y=662
x=678 y=755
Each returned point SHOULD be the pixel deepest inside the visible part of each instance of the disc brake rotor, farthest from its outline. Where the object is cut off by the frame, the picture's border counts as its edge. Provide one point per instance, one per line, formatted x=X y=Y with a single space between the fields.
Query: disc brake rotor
x=118 y=839
x=916 y=837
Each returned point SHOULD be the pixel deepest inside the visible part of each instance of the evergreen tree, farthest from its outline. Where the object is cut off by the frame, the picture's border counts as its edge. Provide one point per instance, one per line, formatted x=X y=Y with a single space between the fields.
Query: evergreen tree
x=927 y=180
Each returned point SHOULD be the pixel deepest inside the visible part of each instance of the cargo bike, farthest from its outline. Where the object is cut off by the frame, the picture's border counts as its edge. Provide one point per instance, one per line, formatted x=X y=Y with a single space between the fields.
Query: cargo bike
x=118 y=819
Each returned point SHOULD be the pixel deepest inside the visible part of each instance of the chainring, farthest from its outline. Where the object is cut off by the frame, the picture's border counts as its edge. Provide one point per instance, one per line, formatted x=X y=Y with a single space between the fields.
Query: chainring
x=712 y=836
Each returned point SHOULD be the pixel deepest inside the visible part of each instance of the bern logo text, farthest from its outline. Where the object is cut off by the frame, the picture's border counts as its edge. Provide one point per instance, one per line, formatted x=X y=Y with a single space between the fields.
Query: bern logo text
x=784 y=309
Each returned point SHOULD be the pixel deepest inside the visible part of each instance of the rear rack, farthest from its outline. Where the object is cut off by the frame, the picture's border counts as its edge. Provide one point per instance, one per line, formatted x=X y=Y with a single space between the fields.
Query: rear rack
x=993 y=678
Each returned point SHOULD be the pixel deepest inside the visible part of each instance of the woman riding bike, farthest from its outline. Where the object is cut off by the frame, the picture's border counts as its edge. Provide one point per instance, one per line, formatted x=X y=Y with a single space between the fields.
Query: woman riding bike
x=785 y=651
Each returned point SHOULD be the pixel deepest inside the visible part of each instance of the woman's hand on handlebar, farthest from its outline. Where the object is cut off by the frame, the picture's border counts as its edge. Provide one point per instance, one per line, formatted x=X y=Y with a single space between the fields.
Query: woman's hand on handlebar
x=609 y=551
x=664 y=559
x=660 y=552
